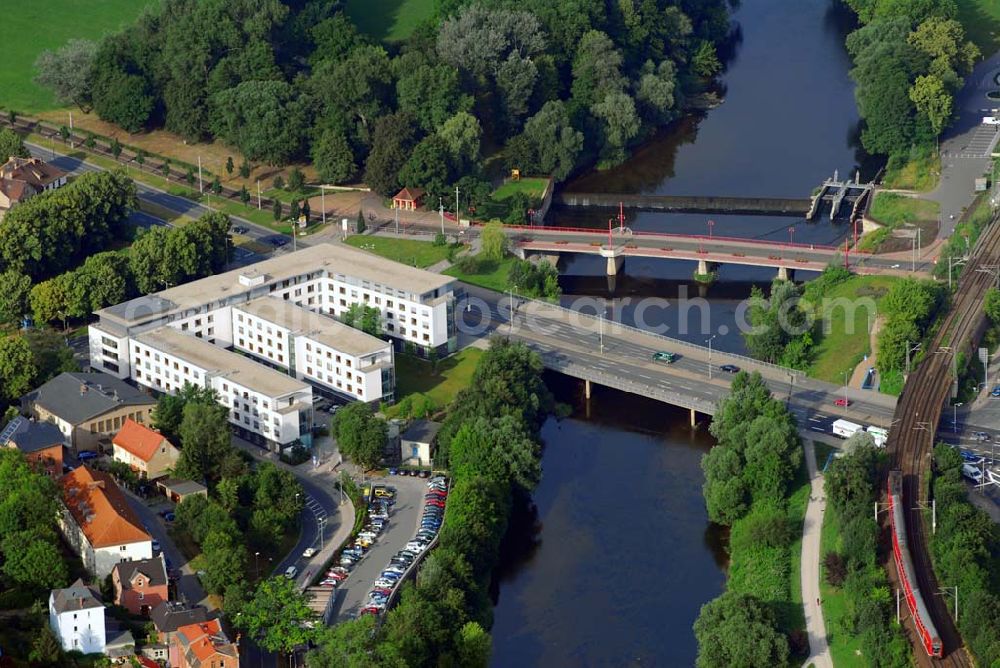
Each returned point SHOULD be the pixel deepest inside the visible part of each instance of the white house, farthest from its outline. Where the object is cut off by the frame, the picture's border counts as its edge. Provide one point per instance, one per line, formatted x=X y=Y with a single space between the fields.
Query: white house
x=98 y=522
x=76 y=616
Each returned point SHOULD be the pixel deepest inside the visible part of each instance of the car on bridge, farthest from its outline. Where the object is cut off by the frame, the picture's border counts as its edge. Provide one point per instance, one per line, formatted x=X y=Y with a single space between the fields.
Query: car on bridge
x=665 y=357
x=730 y=368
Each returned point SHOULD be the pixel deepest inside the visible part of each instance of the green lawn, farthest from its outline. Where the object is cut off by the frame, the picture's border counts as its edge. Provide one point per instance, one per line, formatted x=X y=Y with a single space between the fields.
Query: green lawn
x=846 y=341
x=844 y=648
x=389 y=20
x=494 y=279
x=893 y=210
x=28 y=28
x=418 y=376
x=407 y=251
x=531 y=186
x=981 y=19
x=919 y=173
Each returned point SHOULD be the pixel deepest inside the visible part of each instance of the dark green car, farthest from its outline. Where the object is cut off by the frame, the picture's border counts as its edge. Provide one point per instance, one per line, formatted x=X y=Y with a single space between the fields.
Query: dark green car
x=665 y=357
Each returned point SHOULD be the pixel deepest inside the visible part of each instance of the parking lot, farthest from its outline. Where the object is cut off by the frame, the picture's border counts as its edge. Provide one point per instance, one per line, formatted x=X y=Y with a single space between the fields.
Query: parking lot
x=403 y=521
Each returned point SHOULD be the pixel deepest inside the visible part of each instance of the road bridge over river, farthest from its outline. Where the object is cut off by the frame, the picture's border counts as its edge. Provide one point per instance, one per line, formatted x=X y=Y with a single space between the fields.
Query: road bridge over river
x=570 y=342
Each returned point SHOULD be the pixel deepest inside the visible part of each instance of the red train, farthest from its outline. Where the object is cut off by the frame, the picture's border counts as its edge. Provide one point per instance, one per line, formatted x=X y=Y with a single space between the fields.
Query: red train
x=914 y=601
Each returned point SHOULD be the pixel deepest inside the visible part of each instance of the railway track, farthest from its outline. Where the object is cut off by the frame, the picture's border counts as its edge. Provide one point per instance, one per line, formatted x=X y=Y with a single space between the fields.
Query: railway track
x=911 y=438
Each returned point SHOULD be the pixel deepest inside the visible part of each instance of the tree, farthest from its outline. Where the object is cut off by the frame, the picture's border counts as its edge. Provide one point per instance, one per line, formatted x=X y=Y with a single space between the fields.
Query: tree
x=427 y=166
x=621 y=125
x=17 y=367
x=64 y=133
x=473 y=646
x=296 y=180
x=15 y=289
x=277 y=615
x=229 y=165
x=932 y=100
x=366 y=318
x=278 y=183
x=244 y=195
x=90 y=142
x=350 y=644
x=555 y=143
x=479 y=40
x=361 y=222
x=140 y=157
x=276 y=209
x=224 y=558
x=333 y=157
x=34 y=561
x=169 y=411
x=165 y=168
x=494 y=242
x=293 y=211
x=306 y=210
x=738 y=630
x=991 y=304
x=205 y=439
x=45 y=648
x=360 y=435
x=499 y=449
x=67 y=72
x=245 y=169
x=392 y=141
x=12 y=145
x=705 y=62
x=266 y=120
x=596 y=69
x=189 y=177
x=724 y=490
x=123 y=99
x=461 y=134
x=216 y=186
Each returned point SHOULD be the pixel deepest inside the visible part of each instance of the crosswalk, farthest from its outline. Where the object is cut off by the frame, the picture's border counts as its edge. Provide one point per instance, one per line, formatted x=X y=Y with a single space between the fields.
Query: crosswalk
x=319 y=513
x=979 y=145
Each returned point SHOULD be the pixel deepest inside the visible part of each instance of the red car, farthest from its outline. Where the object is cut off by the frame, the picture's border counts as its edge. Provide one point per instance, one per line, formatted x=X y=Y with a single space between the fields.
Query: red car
x=435 y=502
x=370 y=610
x=843 y=401
x=436 y=492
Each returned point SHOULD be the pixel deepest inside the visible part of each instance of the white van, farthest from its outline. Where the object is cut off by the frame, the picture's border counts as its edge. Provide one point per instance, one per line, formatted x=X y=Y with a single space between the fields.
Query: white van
x=291 y=572
x=973 y=473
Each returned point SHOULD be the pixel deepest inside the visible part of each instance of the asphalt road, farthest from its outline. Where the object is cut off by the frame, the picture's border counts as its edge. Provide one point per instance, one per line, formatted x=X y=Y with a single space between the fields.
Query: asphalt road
x=403 y=521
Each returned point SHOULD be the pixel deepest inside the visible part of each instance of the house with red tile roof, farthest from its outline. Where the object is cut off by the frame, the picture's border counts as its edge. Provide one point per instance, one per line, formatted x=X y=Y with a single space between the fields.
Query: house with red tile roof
x=408 y=199
x=98 y=522
x=22 y=178
x=145 y=450
x=203 y=645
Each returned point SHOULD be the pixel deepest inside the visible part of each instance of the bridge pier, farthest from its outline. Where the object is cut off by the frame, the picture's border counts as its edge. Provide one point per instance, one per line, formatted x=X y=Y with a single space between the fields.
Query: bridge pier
x=586 y=390
x=694 y=418
x=786 y=274
x=703 y=267
x=616 y=258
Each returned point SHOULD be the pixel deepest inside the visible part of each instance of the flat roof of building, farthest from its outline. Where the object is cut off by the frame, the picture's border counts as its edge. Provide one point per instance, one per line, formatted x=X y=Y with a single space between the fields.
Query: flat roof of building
x=321 y=328
x=219 y=361
x=329 y=258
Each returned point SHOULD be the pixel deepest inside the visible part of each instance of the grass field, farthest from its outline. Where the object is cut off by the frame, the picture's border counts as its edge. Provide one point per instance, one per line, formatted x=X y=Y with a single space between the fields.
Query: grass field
x=847 y=340
x=893 y=210
x=28 y=29
x=919 y=173
x=407 y=251
x=494 y=279
x=531 y=186
x=845 y=649
x=453 y=374
x=389 y=20
x=981 y=19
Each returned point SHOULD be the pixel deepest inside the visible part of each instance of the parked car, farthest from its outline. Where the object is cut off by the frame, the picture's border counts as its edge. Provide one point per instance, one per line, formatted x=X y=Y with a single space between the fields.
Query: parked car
x=329 y=582
x=382 y=582
x=169 y=516
x=239 y=229
x=291 y=572
x=730 y=368
x=995 y=392
x=156 y=546
x=416 y=546
x=981 y=436
x=436 y=503
x=843 y=401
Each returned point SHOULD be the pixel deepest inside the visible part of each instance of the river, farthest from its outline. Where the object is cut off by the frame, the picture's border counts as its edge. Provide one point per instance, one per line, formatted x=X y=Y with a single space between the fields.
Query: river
x=618 y=557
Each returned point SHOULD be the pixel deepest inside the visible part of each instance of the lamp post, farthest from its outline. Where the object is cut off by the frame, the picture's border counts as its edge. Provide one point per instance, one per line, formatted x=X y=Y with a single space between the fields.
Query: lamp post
x=711 y=224
x=954 y=417
x=791 y=234
x=709 y=341
x=512 y=288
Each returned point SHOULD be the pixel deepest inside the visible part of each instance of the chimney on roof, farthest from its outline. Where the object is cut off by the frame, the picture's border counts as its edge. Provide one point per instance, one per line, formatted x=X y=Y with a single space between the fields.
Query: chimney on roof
x=83 y=389
x=95 y=484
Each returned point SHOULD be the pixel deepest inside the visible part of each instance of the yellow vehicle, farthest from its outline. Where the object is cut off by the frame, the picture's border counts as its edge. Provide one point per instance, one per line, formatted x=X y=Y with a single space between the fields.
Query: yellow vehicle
x=384 y=493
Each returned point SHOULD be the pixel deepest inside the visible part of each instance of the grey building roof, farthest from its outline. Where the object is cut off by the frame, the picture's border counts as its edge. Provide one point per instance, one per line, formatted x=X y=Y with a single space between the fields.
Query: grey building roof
x=77 y=596
x=422 y=431
x=77 y=397
x=171 y=615
x=29 y=435
x=153 y=569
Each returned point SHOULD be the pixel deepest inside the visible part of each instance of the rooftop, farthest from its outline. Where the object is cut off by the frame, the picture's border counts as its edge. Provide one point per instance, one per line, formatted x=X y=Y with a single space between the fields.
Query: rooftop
x=182 y=487
x=138 y=440
x=171 y=615
x=321 y=328
x=32 y=171
x=330 y=259
x=29 y=436
x=421 y=431
x=100 y=508
x=154 y=569
x=206 y=639
x=77 y=397
x=221 y=362
x=77 y=596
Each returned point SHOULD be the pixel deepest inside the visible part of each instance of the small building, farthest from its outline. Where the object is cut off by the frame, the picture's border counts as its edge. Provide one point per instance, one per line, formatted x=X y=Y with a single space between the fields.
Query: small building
x=178 y=489
x=140 y=585
x=146 y=451
x=88 y=408
x=120 y=643
x=98 y=522
x=203 y=645
x=76 y=616
x=169 y=616
x=41 y=443
x=408 y=199
x=23 y=178
x=416 y=445
x=320 y=601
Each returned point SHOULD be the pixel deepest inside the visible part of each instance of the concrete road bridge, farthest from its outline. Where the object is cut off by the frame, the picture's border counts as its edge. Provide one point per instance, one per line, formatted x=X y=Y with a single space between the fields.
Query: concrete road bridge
x=706 y=251
x=599 y=351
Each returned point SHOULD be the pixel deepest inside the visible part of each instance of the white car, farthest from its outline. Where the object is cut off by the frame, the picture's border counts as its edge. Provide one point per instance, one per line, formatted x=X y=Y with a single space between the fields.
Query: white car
x=416 y=546
x=394 y=568
x=309 y=553
x=368 y=535
x=384 y=584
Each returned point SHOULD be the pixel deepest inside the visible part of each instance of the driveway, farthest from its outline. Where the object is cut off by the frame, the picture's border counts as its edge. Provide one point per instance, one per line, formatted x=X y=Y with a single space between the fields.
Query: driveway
x=403 y=521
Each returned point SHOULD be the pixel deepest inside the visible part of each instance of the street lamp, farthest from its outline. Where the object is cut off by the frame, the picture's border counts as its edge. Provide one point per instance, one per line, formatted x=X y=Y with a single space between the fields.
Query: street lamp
x=845 y=386
x=791 y=234
x=709 y=341
x=711 y=224
x=954 y=417
x=512 y=288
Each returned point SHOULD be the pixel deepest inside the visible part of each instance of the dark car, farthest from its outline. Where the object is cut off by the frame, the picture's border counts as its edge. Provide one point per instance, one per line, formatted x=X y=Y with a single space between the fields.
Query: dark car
x=730 y=368
x=239 y=229
x=996 y=391
x=277 y=241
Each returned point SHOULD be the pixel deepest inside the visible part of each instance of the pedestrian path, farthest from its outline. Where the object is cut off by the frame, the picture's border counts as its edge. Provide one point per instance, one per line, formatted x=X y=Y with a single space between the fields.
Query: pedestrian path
x=819 y=651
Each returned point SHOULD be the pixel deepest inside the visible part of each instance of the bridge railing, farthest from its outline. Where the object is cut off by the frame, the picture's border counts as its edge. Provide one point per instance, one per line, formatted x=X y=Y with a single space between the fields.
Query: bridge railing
x=671 y=341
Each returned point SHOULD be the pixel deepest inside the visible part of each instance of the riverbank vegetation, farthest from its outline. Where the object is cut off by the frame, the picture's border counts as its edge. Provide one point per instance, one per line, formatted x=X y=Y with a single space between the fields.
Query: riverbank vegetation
x=965 y=549
x=909 y=60
x=858 y=601
x=490 y=443
x=476 y=89
x=754 y=485
x=894 y=211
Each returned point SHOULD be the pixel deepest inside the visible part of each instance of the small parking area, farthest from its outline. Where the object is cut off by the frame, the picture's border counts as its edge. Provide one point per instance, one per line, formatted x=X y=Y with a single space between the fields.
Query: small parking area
x=404 y=519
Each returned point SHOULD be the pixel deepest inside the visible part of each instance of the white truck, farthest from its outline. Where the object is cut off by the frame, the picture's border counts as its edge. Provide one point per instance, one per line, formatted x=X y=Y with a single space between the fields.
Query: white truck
x=845 y=428
x=879 y=435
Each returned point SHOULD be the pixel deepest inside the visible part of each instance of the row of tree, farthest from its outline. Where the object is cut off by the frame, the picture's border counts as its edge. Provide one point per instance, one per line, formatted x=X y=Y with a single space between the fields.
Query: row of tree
x=559 y=84
x=748 y=476
x=490 y=443
x=852 y=485
x=909 y=308
x=965 y=549
x=909 y=60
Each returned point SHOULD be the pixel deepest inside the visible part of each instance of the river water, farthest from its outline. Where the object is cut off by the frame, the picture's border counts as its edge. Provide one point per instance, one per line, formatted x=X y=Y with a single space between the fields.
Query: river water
x=617 y=557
